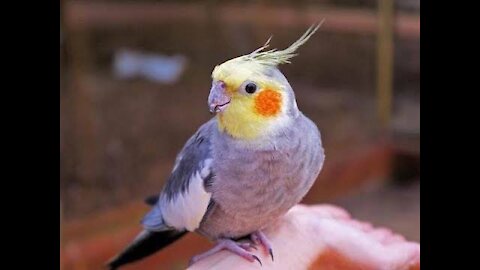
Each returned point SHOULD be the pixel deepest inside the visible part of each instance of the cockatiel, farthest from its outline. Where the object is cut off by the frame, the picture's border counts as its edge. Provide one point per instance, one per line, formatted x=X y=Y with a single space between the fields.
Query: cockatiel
x=254 y=160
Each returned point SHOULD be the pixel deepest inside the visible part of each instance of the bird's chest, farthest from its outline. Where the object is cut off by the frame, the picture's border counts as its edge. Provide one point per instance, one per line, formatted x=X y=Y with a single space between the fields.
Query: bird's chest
x=255 y=181
x=253 y=187
x=258 y=184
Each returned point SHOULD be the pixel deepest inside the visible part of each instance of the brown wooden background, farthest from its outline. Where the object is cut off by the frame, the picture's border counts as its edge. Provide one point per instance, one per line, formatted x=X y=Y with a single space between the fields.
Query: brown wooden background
x=119 y=137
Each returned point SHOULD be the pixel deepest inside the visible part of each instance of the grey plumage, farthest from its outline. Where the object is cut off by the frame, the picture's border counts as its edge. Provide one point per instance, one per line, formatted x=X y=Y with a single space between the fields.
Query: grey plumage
x=257 y=182
x=255 y=186
x=222 y=187
x=188 y=162
x=196 y=150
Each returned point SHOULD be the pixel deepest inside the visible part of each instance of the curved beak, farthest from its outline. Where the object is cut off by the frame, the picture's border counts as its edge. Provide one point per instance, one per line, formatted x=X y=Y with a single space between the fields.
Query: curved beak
x=218 y=99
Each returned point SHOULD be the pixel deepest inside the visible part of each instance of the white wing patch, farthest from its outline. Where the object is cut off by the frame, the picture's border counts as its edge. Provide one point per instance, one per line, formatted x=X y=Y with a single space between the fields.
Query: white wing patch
x=188 y=208
x=177 y=162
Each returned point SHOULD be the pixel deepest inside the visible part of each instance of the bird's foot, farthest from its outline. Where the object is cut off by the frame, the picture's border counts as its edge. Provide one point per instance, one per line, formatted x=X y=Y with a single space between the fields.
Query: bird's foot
x=259 y=238
x=241 y=249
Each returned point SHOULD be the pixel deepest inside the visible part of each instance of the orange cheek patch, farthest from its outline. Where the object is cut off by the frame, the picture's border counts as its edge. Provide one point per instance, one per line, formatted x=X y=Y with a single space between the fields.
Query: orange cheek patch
x=268 y=103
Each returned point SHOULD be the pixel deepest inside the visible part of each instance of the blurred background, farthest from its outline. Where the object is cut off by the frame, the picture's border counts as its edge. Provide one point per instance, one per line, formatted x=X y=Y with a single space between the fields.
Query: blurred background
x=134 y=80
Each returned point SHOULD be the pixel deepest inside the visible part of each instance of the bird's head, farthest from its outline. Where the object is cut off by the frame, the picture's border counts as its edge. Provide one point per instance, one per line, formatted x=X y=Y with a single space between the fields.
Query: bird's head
x=249 y=94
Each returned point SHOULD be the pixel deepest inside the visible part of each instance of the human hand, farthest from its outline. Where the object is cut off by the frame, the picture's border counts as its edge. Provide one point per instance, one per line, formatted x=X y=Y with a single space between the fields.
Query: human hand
x=324 y=237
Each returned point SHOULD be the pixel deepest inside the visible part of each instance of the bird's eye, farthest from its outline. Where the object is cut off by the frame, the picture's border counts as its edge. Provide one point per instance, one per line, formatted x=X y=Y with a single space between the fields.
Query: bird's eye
x=250 y=88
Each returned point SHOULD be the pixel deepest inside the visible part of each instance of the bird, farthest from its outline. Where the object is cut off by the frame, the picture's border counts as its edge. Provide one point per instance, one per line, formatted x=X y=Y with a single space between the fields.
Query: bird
x=243 y=169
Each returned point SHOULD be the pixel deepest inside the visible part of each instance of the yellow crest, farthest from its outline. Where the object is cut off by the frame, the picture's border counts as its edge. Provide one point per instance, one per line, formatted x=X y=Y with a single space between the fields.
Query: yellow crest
x=249 y=116
x=241 y=68
x=275 y=57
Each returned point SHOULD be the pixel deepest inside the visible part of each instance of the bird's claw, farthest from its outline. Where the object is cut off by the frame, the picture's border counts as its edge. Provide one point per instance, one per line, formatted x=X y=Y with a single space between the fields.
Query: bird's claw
x=258 y=260
x=240 y=249
x=260 y=239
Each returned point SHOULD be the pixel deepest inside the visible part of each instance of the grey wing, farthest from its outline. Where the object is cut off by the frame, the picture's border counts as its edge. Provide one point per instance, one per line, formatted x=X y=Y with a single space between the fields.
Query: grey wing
x=184 y=199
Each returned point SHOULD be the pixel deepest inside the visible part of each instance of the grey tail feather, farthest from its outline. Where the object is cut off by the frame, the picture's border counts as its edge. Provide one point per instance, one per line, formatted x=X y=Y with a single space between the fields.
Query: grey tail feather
x=145 y=244
x=152 y=199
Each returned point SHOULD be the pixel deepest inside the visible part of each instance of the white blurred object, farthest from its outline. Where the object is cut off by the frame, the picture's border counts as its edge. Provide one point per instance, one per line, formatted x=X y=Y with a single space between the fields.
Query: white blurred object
x=163 y=69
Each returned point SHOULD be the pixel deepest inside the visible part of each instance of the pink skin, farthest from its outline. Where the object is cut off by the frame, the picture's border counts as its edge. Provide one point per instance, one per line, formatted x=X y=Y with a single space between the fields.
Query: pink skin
x=313 y=231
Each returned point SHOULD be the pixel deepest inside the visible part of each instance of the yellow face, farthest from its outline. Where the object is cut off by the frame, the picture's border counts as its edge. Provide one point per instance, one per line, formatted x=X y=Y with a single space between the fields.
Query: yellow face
x=248 y=102
x=256 y=102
